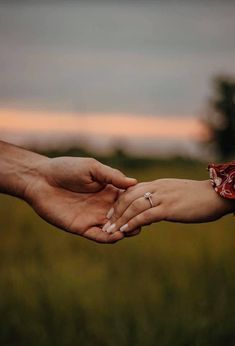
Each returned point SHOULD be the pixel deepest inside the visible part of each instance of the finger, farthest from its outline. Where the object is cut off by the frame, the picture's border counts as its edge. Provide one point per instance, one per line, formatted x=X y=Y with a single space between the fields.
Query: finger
x=135 y=208
x=147 y=217
x=96 y=234
x=110 y=214
x=109 y=194
x=108 y=175
x=125 y=200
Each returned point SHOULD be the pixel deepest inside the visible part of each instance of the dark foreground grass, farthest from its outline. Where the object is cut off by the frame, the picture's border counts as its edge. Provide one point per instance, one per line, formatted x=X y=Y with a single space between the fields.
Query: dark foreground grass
x=173 y=285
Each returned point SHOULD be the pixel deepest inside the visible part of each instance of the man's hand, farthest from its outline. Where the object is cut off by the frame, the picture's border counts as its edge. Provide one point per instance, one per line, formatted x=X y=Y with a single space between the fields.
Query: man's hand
x=73 y=194
x=79 y=213
x=82 y=174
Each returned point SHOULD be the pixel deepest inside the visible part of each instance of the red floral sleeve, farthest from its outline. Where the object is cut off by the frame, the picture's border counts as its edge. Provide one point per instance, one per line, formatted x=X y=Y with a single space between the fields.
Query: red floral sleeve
x=222 y=177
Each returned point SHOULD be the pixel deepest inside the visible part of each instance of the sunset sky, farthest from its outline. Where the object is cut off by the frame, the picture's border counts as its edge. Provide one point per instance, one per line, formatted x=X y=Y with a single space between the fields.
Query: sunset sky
x=111 y=70
x=115 y=125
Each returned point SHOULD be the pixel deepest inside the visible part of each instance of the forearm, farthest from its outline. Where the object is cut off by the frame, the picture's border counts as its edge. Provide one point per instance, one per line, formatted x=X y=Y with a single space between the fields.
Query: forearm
x=18 y=169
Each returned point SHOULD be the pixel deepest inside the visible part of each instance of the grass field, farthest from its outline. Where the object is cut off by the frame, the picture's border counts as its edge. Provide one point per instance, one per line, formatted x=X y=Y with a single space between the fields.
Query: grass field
x=172 y=285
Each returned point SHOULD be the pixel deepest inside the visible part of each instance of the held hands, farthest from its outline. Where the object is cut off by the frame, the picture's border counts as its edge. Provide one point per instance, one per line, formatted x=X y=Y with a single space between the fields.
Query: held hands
x=74 y=194
x=176 y=200
x=85 y=197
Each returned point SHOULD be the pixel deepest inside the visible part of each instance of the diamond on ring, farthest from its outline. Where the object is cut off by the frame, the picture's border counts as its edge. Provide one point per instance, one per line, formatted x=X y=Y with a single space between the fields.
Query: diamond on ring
x=148 y=195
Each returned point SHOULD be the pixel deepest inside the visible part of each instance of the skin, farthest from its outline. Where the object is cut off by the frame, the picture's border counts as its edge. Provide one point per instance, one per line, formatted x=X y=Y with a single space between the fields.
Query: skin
x=175 y=200
x=73 y=194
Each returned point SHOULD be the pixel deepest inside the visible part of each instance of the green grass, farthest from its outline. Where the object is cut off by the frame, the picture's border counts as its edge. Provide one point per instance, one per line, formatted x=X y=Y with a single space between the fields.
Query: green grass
x=172 y=285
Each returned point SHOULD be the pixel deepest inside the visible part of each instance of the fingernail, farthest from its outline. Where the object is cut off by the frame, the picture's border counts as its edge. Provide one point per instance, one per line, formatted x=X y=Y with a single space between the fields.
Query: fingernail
x=111 y=228
x=104 y=229
x=124 y=228
x=110 y=213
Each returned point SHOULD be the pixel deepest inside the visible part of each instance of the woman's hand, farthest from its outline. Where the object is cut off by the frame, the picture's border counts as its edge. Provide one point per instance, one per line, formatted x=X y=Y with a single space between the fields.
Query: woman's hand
x=177 y=200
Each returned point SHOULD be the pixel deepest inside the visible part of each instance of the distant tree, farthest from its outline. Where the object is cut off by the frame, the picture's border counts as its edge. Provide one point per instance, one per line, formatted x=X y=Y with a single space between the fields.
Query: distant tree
x=220 y=119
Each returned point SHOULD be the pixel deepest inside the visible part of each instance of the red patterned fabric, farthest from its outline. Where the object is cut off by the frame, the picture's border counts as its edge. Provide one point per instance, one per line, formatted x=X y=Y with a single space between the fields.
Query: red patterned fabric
x=222 y=177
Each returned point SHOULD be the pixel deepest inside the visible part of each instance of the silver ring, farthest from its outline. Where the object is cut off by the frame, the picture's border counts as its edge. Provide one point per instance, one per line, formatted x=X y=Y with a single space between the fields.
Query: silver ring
x=148 y=195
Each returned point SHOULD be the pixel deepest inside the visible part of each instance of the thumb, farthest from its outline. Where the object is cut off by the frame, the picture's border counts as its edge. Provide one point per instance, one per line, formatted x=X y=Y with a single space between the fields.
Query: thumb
x=108 y=175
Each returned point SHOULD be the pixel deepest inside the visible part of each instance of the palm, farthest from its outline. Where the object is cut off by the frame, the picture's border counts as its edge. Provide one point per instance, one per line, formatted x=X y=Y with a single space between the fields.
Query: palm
x=79 y=213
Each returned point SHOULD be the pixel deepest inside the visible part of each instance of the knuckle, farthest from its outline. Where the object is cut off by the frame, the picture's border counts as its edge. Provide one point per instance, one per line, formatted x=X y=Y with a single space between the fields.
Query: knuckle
x=116 y=171
x=139 y=203
x=131 y=188
x=124 y=199
x=147 y=214
x=143 y=185
x=134 y=209
x=91 y=161
x=136 y=205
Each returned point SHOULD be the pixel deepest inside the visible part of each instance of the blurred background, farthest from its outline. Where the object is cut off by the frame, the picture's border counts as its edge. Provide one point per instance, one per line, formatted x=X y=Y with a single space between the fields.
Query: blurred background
x=145 y=86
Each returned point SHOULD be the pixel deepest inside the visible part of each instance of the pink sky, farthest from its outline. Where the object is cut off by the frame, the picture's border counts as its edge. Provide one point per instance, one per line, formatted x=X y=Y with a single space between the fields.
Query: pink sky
x=97 y=124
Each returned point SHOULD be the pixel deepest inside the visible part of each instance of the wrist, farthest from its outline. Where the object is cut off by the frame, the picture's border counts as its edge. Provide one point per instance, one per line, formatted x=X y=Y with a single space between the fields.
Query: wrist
x=223 y=205
x=18 y=169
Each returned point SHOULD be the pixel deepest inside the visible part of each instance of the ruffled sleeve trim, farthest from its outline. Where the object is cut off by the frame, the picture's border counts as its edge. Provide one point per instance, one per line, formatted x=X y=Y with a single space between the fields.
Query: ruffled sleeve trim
x=222 y=177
